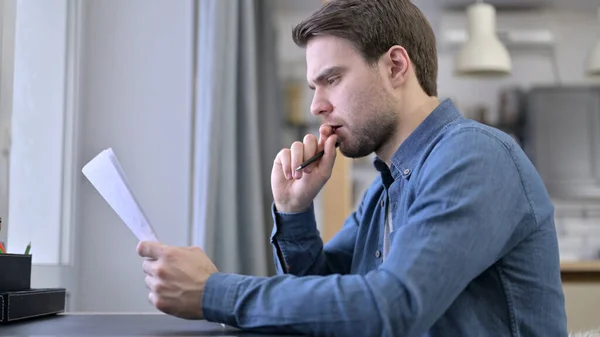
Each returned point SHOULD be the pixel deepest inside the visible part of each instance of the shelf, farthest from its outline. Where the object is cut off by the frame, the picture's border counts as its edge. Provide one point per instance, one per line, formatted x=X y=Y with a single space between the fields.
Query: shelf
x=454 y=38
x=578 y=267
x=580 y=271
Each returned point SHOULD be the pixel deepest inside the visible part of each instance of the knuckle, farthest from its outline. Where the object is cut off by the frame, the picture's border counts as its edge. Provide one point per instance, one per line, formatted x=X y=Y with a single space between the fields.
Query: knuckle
x=160 y=304
x=309 y=138
x=160 y=271
x=159 y=287
x=284 y=153
x=168 y=254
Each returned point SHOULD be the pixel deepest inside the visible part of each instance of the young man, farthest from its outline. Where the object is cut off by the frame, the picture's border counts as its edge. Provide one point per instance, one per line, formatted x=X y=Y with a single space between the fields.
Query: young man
x=455 y=238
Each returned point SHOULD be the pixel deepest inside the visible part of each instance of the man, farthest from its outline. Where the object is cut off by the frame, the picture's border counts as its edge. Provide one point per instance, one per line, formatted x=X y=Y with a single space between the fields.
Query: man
x=455 y=238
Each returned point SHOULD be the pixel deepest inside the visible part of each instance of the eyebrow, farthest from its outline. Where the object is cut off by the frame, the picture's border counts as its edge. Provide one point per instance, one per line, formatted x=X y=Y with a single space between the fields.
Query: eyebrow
x=328 y=72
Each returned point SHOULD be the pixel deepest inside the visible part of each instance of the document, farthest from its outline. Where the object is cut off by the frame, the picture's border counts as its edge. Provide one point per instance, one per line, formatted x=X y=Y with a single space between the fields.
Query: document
x=106 y=175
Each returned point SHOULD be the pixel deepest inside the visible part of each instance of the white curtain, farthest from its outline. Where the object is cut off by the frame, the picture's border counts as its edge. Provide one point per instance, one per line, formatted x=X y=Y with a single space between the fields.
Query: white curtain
x=238 y=118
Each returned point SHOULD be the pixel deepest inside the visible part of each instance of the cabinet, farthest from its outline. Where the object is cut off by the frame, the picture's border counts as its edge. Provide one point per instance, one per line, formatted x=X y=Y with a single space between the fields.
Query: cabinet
x=564 y=139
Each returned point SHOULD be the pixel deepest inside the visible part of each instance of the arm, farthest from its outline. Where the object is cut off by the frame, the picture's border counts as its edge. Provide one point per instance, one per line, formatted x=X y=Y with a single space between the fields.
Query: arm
x=298 y=246
x=470 y=201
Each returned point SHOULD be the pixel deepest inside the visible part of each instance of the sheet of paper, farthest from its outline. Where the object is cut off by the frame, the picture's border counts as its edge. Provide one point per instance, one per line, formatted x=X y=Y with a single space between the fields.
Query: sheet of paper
x=106 y=175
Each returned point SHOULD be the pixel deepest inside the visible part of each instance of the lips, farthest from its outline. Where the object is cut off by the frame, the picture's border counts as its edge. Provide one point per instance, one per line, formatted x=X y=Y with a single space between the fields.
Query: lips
x=335 y=127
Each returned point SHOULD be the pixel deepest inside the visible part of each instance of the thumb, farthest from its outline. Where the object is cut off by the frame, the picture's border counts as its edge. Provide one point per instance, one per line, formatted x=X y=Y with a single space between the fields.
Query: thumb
x=150 y=249
x=328 y=158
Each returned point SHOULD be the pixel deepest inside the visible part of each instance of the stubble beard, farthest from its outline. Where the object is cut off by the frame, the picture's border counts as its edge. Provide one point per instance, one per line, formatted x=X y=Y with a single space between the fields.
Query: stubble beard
x=371 y=135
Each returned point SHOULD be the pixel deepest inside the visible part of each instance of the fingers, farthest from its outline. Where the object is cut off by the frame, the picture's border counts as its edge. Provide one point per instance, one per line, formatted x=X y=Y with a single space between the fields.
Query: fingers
x=148 y=266
x=150 y=249
x=330 y=152
x=290 y=159
x=150 y=281
x=284 y=160
x=310 y=149
x=297 y=153
x=324 y=132
x=155 y=269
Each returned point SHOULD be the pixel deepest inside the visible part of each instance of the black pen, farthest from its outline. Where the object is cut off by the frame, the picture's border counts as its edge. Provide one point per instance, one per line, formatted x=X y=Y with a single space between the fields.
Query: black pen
x=313 y=158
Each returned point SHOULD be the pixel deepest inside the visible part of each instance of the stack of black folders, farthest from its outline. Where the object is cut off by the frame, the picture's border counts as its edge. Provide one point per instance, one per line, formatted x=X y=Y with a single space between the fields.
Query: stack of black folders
x=18 y=301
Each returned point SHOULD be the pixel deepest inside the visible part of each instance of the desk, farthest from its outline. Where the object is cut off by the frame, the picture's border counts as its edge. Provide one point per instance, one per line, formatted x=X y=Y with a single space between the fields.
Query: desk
x=73 y=324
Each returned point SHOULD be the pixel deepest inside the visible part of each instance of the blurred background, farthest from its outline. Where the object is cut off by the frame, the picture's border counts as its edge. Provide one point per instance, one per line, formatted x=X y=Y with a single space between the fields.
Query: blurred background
x=197 y=97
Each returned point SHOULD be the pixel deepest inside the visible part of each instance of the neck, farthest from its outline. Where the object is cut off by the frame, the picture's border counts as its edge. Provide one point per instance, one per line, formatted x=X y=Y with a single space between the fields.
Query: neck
x=411 y=112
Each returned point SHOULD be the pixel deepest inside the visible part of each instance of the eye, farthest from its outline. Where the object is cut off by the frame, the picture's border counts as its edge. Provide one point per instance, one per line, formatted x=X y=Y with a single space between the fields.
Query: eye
x=333 y=80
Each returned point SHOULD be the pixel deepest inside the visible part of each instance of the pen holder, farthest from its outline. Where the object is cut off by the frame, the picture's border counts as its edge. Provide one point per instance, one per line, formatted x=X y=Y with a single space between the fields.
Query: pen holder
x=15 y=272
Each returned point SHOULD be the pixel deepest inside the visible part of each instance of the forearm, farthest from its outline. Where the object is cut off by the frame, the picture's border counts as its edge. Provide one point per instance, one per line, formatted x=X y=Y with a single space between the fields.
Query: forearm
x=298 y=247
x=338 y=305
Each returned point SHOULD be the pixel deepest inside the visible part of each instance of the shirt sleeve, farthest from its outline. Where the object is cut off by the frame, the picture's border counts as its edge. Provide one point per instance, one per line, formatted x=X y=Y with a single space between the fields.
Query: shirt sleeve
x=464 y=217
x=298 y=248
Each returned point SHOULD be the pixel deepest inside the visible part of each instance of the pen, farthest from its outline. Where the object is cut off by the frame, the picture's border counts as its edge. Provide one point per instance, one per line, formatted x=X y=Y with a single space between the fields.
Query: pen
x=28 y=248
x=313 y=159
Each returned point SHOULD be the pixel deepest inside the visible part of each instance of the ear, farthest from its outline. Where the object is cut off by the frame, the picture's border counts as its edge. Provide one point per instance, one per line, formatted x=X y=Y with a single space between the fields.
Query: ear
x=398 y=64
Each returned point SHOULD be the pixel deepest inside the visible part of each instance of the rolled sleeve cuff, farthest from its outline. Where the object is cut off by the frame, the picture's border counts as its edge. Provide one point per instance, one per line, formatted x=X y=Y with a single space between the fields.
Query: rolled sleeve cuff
x=218 y=300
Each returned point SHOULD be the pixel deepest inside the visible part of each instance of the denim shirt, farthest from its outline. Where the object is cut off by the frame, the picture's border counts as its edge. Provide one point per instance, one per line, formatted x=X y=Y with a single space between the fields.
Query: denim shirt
x=472 y=251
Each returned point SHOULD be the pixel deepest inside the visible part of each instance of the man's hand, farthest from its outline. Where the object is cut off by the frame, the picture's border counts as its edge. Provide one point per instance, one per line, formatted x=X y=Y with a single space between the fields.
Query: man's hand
x=293 y=191
x=176 y=277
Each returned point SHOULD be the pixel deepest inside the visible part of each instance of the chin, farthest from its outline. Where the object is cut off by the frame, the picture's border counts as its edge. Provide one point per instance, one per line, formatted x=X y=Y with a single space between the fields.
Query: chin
x=354 y=152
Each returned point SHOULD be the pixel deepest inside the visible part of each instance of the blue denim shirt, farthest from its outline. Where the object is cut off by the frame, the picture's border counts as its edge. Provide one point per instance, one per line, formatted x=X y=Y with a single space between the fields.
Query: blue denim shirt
x=473 y=250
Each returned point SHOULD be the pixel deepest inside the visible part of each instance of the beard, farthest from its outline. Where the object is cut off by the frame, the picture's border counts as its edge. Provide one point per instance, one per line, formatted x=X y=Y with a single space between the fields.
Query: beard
x=370 y=134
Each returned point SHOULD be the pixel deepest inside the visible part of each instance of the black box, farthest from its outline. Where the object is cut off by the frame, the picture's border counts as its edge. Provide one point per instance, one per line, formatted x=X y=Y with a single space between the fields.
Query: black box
x=32 y=303
x=18 y=301
x=15 y=272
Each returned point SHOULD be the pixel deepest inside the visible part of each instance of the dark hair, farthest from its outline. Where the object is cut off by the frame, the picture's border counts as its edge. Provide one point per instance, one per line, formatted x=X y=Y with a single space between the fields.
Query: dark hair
x=374 y=26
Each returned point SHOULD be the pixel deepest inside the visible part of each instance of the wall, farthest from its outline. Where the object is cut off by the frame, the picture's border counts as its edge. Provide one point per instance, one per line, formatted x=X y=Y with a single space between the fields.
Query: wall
x=136 y=97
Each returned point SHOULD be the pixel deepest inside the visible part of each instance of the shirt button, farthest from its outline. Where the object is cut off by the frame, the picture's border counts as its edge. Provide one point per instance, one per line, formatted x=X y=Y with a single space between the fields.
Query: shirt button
x=406 y=171
x=377 y=254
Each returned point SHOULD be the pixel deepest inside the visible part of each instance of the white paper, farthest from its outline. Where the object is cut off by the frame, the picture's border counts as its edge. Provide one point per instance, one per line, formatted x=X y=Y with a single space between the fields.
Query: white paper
x=106 y=175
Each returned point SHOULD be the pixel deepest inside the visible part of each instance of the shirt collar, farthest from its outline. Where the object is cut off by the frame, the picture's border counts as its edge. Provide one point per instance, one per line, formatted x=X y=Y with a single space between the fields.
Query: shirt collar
x=404 y=159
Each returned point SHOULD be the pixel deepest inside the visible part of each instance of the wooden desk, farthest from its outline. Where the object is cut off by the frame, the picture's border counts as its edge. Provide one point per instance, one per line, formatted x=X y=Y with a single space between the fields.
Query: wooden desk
x=110 y=324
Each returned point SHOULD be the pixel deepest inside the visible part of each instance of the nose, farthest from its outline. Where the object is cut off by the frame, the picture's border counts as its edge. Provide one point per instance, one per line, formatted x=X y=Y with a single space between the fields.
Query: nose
x=320 y=105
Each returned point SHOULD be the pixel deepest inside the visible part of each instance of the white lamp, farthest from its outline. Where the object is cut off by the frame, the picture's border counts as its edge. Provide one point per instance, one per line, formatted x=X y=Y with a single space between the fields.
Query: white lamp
x=483 y=54
x=593 y=67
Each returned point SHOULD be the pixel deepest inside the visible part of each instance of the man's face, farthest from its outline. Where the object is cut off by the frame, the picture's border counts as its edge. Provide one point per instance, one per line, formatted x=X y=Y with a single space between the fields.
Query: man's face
x=350 y=95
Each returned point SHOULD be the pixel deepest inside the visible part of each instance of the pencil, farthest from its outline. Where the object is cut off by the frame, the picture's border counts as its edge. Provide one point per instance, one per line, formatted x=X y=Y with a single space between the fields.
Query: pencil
x=313 y=159
x=27 y=249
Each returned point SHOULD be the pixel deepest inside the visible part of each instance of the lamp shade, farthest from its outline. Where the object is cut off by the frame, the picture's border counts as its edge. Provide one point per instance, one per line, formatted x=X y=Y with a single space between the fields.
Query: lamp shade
x=593 y=66
x=483 y=54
